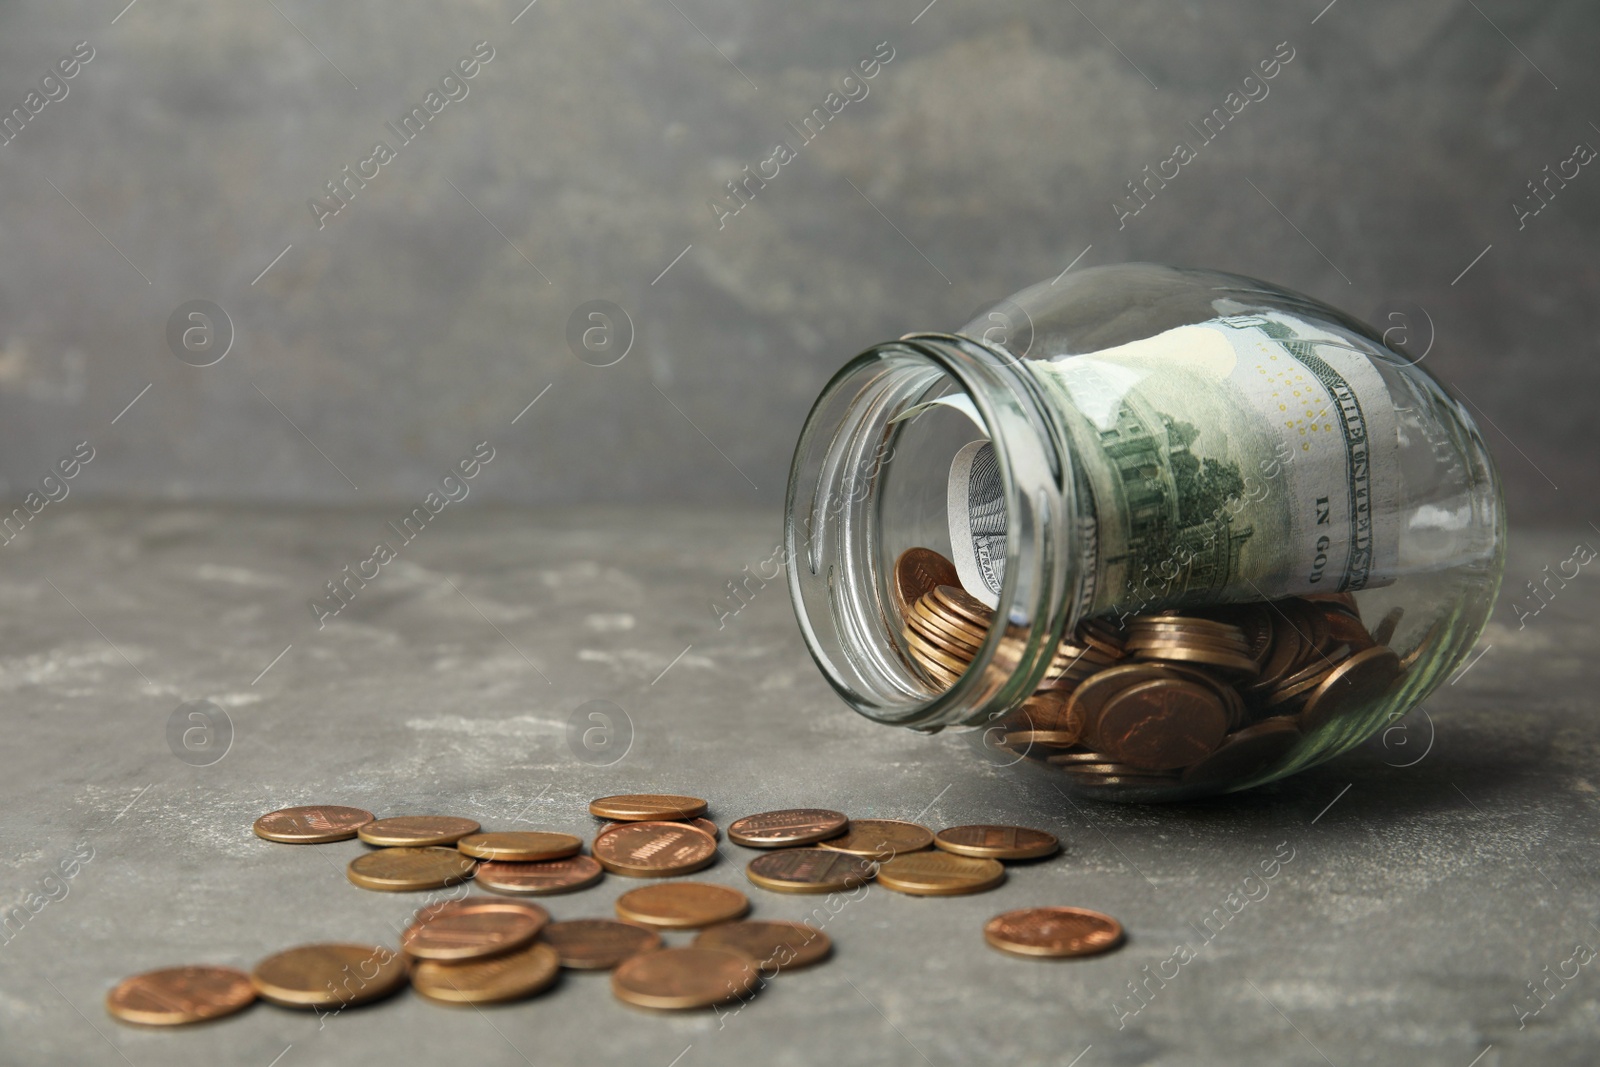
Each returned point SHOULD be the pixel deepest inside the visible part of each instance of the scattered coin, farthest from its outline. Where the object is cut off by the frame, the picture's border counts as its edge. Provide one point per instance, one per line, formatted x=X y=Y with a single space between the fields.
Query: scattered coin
x=598 y=944
x=177 y=995
x=997 y=842
x=472 y=927
x=312 y=824
x=810 y=870
x=775 y=946
x=679 y=978
x=647 y=807
x=681 y=905
x=1058 y=932
x=790 y=826
x=699 y=824
x=880 y=838
x=539 y=879
x=940 y=874
x=329 y=975
x=520 y=846
x=399 y=869
x=417 y=831
x=494 y=980
x=654 y=849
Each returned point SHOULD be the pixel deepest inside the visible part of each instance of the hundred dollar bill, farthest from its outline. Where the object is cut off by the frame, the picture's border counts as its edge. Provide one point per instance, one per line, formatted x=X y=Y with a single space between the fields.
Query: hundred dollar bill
x=1245 y=458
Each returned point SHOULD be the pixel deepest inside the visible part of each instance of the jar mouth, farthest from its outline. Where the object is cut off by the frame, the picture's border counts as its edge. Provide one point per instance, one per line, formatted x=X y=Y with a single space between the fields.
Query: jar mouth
x=846 y=522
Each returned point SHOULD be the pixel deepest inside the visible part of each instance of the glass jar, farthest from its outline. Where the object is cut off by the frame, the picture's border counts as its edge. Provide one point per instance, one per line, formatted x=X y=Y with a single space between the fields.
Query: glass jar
x=1158 y=533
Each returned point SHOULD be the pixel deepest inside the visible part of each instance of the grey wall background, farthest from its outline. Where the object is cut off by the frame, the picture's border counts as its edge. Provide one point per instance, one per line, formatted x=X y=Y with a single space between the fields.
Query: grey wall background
x=379 y=349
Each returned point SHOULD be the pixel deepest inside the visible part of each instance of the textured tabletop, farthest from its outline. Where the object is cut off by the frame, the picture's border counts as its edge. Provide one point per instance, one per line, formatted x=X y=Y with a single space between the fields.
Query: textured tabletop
x=1417 y=887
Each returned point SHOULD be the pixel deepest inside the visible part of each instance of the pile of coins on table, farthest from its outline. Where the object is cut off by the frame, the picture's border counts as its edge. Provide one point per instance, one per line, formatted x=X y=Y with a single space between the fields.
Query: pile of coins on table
x=478 y=949
x=1199 y=699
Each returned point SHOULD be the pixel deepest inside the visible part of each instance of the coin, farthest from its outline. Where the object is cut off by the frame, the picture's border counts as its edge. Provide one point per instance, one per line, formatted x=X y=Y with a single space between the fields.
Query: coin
x=775 y=946
x=493 y=980
x=1089 y=699
x=598 y=944
x=312 y=824
x=1054 y=931
x=880 y=838
x=699 y=824
x=681 y=905
x=953 y=600
x=940 y=874
x=790 y=826
x=399 y=869
x=471 y=927
x=417 y=831
x=1383 y=633
x=810 y=870
x=1052 y=738
x=654 y=849
x=647 y=807
x=1162 y=725
x=520 y=846
x=918 y=572
x=329 y=975
x=1245 y=754
x=1363 y=677
x=539 y=879
x=678 y=978
x=927 y=651
x=997 y=842
x=176 y=995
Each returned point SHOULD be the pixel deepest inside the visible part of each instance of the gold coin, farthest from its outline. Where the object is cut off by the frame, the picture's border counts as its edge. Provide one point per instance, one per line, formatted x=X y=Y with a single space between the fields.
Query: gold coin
x=520 y=846
x=681 y=905
x=880 y=838
x=539 y=879
x=329 y=975
x=654 y=849
x=679 y=978
x=598 y=944
x=1057 y=932
x=790 y=826
x=472 y=927
x=417 y=831
x=647 y=807
x=940 y=874
x=810 y=870
x=775 y=946
x=312 y=824
x=494 y=980
x=177 y=995
x=400 y=869
x=997 y=842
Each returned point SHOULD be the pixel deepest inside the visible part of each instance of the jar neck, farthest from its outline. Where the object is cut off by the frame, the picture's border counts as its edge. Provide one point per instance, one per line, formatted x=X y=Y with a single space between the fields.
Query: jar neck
x=838 y=575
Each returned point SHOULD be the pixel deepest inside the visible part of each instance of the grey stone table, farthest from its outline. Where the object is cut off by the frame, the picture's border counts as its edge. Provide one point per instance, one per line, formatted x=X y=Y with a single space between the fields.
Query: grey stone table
x=1416 y=903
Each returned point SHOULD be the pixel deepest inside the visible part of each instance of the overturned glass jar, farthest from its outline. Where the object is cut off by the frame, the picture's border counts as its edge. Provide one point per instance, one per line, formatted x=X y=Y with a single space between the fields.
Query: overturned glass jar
x=1158 y=533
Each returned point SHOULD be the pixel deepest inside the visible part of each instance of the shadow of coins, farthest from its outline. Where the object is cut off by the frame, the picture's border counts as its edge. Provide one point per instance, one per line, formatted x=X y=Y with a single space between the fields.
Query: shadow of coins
x=199 y=733
x=199 y=332
x=600 y=333
x=599 y=733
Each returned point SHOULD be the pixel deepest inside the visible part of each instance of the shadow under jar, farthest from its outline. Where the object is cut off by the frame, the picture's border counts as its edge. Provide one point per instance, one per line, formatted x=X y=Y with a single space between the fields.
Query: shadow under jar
x=1157 y=533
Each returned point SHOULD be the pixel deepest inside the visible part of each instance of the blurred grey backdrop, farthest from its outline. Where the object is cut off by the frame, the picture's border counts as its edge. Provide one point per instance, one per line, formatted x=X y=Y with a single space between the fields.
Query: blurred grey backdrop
x=372 y=349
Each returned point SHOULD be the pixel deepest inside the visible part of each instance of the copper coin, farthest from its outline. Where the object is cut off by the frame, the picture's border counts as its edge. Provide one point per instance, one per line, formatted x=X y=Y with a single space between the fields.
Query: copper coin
x=1090 y=698
x=810 y=870
x=1058 y=932
x=417 y=831
x=312 y=824
x=775 y=946
x=927 y=651
x=699 y=824
x=940 y=874
x=1053 y=712
x=598 y=944
x=681 y=905
x=963 y=605
x=329 y=975
x=1162 y=725
x=880 y=838
x=997 y=842
x=177 y=995
x=1383 y=633
x=679 y=978
x=918 y=572
x=539 y=879
x=790 y=826
x=520 y=846
x=1048 y=738
x=1084 y=756
x=1245 y=754
x=654 y=849
x=647 y=807
x=493 y=980
x=398 y=869
x=472 y=927
x=1362 y=678
x=946 y=630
